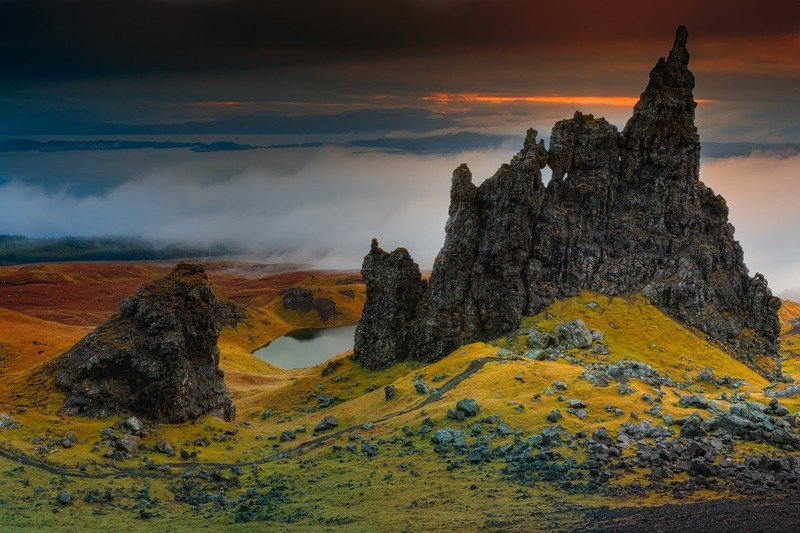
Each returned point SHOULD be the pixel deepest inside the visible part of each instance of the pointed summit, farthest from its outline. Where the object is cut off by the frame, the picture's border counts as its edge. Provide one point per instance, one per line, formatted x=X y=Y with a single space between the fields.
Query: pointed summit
x=661 y=139
x=671 y=77
x=679 y=46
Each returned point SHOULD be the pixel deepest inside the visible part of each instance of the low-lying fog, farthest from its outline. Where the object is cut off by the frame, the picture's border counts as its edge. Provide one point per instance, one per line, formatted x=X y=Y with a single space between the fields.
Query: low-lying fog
x=327 y=203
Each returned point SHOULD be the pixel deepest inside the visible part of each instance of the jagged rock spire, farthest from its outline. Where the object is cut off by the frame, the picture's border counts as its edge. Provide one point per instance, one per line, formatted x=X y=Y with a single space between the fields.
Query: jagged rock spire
x=660 y=139
x=623 y=213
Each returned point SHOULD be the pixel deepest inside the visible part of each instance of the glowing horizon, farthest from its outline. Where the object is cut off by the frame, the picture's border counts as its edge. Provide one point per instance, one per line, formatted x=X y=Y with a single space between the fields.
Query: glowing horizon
x=626 y=101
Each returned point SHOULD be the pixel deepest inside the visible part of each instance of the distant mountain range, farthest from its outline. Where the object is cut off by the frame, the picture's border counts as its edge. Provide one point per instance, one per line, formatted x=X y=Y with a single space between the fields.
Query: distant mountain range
x=432 y=144
x=449 y=143
x=26 y=145
x=15 y=250
x=712 y=149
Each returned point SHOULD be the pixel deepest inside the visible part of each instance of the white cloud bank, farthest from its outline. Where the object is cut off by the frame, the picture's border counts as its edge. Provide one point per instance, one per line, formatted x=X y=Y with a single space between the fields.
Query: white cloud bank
x=763 y=195
x=333 y=201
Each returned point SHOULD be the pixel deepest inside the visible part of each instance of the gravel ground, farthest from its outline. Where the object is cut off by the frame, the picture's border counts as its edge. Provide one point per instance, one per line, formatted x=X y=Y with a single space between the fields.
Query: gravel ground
x=749 y=515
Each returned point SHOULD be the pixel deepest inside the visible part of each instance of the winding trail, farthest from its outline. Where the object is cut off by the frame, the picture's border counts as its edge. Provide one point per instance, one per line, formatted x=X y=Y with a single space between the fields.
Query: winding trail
x=25 y=460
x=434 y=396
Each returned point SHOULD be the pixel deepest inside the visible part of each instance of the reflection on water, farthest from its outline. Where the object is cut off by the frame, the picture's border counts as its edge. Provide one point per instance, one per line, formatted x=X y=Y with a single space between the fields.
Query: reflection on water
x=307 y=347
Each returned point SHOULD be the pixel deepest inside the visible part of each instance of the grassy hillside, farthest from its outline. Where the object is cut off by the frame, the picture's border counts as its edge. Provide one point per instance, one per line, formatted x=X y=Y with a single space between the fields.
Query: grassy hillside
x=382 y=466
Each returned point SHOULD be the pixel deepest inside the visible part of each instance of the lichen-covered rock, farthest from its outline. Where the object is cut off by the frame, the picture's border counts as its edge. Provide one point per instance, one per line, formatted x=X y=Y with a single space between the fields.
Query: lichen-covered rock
x=156 y=358
x=575 y=333
x=468 y=406
x=623 y=213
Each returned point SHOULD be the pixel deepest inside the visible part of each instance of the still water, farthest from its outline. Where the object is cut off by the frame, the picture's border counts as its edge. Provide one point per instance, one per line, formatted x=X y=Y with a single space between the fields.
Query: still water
x=307 y=347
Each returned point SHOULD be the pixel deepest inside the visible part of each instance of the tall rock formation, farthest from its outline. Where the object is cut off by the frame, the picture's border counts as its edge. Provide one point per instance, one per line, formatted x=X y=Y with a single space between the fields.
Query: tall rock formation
x=622 y=213
x=157 y=357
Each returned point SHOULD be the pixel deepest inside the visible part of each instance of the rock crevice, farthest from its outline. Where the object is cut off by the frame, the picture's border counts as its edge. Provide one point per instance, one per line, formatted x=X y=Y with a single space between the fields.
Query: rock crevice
x=623 y=213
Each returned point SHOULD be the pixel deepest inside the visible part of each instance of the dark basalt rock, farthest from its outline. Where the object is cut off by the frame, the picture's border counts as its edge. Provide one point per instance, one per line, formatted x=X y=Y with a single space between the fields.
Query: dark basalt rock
x=302 y=300
x=394 y=291
x=623 y=213
x=157 y=357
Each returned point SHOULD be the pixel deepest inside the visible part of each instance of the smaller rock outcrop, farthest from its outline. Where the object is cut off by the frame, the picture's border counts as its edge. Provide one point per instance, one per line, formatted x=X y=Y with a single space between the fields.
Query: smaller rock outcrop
x=302 y=300
x=394 y=290
x=157 y=357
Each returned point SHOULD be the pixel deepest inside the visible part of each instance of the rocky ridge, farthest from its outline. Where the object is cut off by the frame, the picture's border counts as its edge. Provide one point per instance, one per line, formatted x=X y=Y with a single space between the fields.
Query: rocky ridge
x=157 y=357
x=623 y=213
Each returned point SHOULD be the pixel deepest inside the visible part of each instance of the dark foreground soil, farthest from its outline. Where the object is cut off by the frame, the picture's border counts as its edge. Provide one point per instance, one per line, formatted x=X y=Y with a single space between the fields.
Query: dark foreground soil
x=779 y=514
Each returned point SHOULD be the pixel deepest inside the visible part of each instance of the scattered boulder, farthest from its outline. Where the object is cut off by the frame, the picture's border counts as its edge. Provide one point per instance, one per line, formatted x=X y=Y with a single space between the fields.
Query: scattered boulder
x=455 y=414
x=468 y=406
x=539 y=339
x=421 y=387
x=331 y=367
x=504 y=429
x=327 y=423
x=68 y=440
x=164 y=446
x=580 y=413
x=6 y=422
x=389 y=392
x=598 y=378
x=129 y=444
x=554 y=416
x=706 y=376
x=324 y=401
x=625 y=369
x=135 y=425
x=692 y=427
x=442 y=436
x=693 y=400
x=369 y=449
x=575 y=333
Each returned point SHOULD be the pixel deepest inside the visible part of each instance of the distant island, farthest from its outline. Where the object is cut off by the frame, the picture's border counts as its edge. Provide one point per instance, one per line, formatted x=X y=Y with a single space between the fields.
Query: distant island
x=27 y=145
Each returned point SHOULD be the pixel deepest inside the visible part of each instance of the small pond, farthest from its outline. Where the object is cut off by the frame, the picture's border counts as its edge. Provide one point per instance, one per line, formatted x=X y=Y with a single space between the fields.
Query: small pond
x=307 y=347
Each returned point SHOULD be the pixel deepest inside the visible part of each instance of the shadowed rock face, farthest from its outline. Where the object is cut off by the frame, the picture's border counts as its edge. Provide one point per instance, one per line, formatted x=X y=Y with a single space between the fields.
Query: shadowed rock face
x=394 y=290
x=157 y=357
x=622 y=213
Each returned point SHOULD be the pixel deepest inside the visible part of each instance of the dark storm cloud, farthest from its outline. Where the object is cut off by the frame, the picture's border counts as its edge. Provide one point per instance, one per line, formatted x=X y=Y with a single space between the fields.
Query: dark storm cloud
x=75 y=38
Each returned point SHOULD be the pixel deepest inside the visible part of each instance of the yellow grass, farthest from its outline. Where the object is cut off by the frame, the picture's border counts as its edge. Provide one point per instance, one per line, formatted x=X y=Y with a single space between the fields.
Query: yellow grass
x=343 y=491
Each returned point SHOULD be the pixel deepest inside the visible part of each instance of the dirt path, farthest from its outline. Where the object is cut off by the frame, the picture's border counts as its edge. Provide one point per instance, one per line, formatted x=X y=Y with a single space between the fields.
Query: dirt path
x=24 y=460
x=434 y=396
